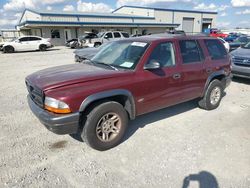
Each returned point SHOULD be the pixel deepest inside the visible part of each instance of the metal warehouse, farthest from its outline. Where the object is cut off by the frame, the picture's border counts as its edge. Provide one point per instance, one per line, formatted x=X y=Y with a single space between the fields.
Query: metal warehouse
x=61 y=26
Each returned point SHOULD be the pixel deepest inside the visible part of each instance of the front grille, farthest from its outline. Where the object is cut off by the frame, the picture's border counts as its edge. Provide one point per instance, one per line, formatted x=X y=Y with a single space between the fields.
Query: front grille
x=240 y=61
x=36 y=94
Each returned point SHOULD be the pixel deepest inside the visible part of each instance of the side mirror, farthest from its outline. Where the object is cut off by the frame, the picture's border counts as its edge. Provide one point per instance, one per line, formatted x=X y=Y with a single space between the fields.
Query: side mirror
x=17 y=41
x=152 y=65
x=106 y=36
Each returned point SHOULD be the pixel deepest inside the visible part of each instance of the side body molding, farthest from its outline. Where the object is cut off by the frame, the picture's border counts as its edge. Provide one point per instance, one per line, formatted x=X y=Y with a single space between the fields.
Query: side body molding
x=129 y=104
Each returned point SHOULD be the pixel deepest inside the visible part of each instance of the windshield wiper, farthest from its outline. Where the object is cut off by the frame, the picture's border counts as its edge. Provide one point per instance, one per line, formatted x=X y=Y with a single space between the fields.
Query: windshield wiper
x=89 y=61
x=108 y=65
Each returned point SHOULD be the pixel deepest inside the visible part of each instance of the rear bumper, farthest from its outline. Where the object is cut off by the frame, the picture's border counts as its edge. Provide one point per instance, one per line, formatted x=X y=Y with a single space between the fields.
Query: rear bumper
x=56 y=123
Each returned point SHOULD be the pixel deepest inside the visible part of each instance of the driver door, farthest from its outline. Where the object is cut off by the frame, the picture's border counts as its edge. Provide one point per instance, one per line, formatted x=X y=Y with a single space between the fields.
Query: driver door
x=23 y=44
x=160 y=87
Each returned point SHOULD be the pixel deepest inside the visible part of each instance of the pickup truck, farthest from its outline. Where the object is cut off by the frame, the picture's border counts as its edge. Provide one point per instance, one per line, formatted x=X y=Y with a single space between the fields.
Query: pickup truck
x=127 y=78
x=108 y=36
x=215 y=33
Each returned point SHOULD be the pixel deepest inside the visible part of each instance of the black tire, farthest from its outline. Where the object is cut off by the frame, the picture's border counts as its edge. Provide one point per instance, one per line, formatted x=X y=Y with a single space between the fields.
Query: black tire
x=208 y=102
x=8 y=49
x=42 y=47
x=90 y=131
x=97 y=44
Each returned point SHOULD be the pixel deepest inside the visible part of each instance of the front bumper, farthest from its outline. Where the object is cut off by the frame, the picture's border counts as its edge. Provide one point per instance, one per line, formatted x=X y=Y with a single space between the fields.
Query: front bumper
x=241 y=71
x=56 y=123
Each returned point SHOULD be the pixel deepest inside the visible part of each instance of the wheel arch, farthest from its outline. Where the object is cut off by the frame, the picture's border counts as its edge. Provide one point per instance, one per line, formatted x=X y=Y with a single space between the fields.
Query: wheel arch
x=122 y=96
x=9 y=45
x=219 y=75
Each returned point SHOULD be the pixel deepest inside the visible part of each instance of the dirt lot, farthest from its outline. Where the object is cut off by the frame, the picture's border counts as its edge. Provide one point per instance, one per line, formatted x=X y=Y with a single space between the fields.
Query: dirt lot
x=172 y=147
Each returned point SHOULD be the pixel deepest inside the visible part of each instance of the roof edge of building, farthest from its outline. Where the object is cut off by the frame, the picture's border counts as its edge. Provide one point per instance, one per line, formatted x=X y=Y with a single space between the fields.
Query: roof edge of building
x=165 y=9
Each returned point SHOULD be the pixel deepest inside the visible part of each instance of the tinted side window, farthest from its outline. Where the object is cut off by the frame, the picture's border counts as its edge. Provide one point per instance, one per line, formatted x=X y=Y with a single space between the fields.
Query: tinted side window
x=24 y=39
x=164 y=54
x=117 y=35
x=216 y=49
x=34 y=38
x=190 y=51
x=109 y=35
x=126 y=35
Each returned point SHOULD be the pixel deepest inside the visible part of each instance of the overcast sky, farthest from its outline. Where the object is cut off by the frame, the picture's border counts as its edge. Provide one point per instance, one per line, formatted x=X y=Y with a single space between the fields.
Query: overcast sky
x=231 y=13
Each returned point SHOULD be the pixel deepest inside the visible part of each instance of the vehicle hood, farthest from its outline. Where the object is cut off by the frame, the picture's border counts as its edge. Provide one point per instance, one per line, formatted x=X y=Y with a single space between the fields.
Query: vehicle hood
x=86 y=52
x=69 y=74
x=7 y=43
x=241 y=52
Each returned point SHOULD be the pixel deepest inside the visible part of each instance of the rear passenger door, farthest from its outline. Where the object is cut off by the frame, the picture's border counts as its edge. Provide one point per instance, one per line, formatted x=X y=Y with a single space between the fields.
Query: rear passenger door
x=34 y=43
x=117 y=36
x=193 y=74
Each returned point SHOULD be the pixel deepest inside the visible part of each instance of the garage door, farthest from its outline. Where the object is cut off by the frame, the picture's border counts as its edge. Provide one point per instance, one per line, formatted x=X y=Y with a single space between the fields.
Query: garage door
x=188 y=25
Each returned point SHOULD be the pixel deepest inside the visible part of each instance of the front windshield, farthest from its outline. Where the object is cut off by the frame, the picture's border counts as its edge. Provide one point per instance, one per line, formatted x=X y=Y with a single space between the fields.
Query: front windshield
x=13 y=39
x=99 y=35
x=123 y=54
x=247 y=46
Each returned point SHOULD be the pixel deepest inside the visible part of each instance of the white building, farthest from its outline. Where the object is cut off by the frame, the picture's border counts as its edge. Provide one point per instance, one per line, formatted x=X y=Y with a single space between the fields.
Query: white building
x=61 y=26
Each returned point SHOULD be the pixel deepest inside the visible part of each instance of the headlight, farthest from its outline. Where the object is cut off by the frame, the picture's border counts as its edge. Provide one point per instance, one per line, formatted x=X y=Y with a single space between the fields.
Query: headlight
x=56 y=106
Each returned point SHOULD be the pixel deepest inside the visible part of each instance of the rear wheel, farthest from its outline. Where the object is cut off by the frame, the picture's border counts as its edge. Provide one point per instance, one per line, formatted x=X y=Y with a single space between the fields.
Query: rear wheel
x=213 y=96
x=105 y=126
x=42 y=47
x=8 y=49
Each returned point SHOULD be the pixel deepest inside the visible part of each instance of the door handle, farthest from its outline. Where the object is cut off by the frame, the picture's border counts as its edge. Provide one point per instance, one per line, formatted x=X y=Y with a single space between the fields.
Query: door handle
x=177 y=76
x=209 y=70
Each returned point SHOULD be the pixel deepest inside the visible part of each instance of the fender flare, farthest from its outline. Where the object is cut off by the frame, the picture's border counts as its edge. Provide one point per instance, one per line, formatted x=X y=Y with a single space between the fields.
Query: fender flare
x=129 y=104
x=211 y=77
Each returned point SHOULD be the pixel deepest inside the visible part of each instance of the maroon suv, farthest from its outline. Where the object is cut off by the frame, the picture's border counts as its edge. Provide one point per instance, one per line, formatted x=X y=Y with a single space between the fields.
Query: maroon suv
x=125 y=79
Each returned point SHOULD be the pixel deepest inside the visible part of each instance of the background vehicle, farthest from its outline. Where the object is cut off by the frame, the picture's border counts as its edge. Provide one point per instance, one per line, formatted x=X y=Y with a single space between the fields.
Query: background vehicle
x=1 y=46
x=225 y=43
x=87 y=53
x=213 y=32
x=84 y=40
x=108 y=36
x=69 y=42
x=231 y=37
x=239 y=42
x=27 y=43
x=125 y=79
x=241 y=61
x=180 y=32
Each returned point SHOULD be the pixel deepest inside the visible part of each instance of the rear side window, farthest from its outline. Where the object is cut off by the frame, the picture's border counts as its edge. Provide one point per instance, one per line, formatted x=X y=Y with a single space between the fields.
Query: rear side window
x=117 y=35
x=126 y=35
x=216 y=49
x=34 y=38
x=163 y=54
x=24 y=39
x=190 y=51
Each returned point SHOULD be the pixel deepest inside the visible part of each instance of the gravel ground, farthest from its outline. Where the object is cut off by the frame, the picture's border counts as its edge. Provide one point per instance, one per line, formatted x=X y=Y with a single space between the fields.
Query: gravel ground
x=174 y=147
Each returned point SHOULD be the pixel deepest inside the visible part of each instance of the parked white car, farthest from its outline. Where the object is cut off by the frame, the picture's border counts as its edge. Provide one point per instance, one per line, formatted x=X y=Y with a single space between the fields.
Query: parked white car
x=104 y=37
x=27 y=43
x=225 y=43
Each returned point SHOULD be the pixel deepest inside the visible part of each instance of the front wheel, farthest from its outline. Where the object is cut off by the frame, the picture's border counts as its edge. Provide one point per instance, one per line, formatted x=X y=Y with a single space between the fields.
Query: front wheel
x=105 y=126
x=213 y=96
x=8 y=49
